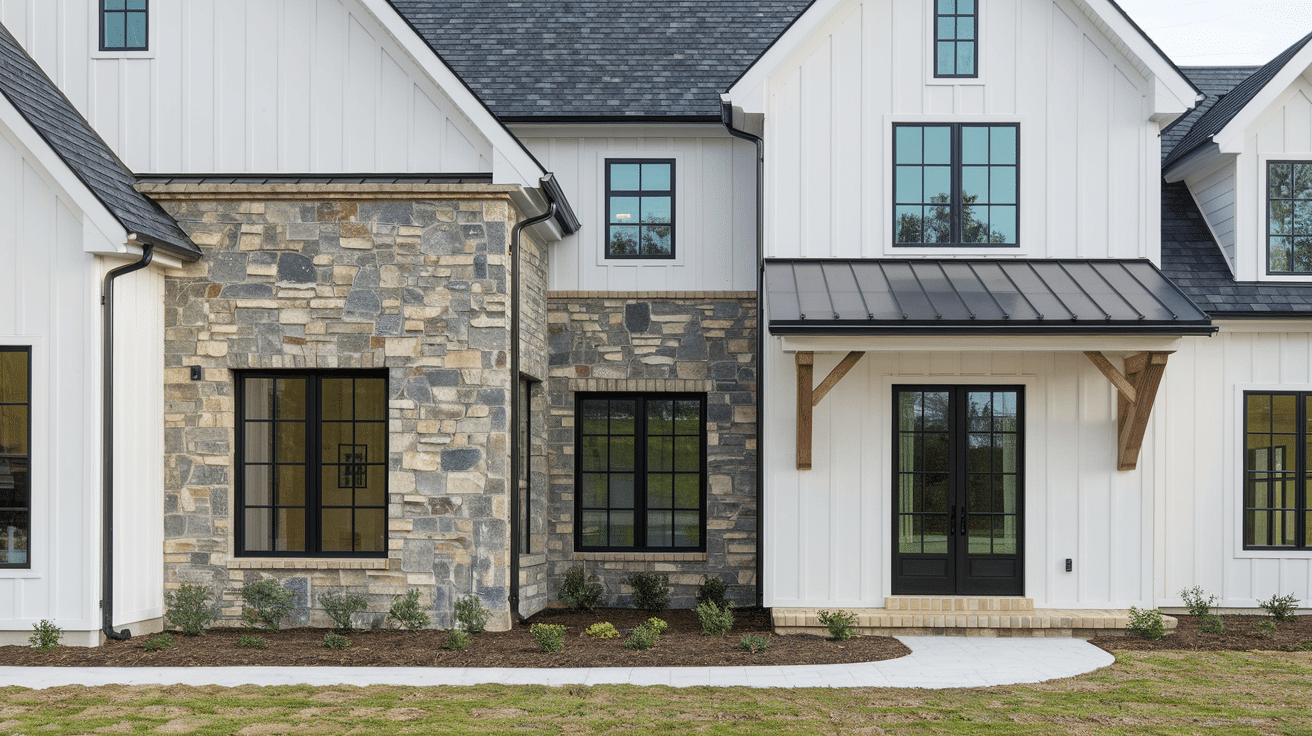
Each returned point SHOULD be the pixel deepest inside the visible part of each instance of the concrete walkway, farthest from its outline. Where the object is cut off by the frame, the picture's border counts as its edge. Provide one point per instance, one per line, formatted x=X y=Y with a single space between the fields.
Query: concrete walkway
x=934 y=662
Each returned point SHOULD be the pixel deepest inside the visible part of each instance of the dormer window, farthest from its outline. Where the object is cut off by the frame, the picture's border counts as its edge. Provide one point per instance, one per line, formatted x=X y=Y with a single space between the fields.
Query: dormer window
x=123 y=25
x=956 y=38
x=1289 y=217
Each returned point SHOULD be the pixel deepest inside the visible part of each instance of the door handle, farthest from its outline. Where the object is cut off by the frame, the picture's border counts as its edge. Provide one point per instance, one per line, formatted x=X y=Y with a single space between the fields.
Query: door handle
x=963 y=522
x=952 y=523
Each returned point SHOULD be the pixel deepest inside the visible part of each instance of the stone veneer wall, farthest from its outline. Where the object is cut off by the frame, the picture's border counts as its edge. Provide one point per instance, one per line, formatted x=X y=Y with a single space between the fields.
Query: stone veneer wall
x=649 y=342
x=534 y=593
x=412 y=278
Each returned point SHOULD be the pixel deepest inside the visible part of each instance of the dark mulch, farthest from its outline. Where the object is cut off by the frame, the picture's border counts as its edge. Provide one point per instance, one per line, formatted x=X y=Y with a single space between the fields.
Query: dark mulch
x=682 y=645
x=1238 y=636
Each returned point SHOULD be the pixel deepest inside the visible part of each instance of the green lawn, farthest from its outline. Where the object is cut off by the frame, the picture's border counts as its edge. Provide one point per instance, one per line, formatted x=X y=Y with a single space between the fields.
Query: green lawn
x=1227 y=692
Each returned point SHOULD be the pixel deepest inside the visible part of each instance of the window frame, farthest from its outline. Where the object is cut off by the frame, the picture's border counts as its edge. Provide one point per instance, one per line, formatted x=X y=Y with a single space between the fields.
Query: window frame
x=640 y=507
x=1266 y=219
x=956 y=163
x=27 y=564
x=610 y=193
x=313 y=464
x=936 y=40
x=103 y=12
x=1301 y=509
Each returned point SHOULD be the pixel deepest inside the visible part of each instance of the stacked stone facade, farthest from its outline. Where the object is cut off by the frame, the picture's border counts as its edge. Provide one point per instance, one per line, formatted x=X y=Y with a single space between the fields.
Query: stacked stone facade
x=660 y=342
x=410 y=278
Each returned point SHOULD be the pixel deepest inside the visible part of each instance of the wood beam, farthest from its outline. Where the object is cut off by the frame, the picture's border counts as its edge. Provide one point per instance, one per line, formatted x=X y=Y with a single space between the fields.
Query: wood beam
x=805 y=377
x=1118 y=380
x=836 y=375
x=1145 y=372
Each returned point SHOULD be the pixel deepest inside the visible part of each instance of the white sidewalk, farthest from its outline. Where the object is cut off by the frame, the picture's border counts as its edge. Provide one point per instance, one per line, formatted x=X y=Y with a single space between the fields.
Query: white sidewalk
x=934 y=662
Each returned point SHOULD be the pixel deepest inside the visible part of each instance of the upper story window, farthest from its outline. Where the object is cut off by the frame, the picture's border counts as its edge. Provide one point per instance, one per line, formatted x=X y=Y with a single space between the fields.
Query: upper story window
x=956 y=184
x=956 y=38
x=1276 y=509
x=640 y=208
x=15 y=457
x=123 y=25
x=1289 y=217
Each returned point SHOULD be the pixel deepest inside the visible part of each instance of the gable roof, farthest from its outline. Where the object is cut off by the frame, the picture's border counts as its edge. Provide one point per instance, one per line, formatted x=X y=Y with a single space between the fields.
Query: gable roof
x=85 y=153
x=580 y=60
x=1214 y=82
x=1224 y=110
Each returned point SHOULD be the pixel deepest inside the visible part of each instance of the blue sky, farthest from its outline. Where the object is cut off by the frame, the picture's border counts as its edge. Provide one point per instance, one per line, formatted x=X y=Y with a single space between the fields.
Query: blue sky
x=1222 y=32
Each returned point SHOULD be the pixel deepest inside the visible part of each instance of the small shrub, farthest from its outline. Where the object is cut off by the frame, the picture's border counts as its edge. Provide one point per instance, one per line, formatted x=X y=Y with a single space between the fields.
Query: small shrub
x=839 y=623
x=248 y=641
x=1281 y=608
x=1197 y=604
x=602 y=631
x=578 y=592
x=159 y=643
x=342 y=607
x=407 y=612
x=646 y=635
x=45 y=636
x=267 y=603
x=188 y=609
x=1147 y=623
x=471 y=614
x=1210 y=624
x=1264 y=629
x=335 y=641
x=651 y=593
x=457 y=640
x=712 y=590
x=1305 y=646
x=550 y=637
x=715 y=620
x=754 y=643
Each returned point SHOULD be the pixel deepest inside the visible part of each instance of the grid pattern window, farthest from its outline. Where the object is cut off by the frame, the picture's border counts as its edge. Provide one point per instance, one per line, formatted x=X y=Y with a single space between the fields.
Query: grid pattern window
x=1276 y=510
x=15 y=457
x=123 y=25
x=956 y=184
x=312 y=464
x=1289 y=217
x=641 y=472
x=640 y=208
x=956 y=38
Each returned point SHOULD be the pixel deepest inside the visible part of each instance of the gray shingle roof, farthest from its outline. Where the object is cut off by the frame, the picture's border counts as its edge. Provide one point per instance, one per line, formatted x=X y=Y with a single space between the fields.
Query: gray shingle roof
x=590 y=59
x=1225 y=109
x=1214 y=82
x=1191 y=258
x=48 y=111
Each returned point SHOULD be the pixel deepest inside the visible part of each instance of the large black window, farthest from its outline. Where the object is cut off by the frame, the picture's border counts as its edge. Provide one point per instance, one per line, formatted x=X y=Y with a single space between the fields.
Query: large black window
x=956 y=184
x=1289 y=217
x=956 y=38
x=15 y=457
x=640 y=472
x=123 y=25
x=640 y=208
x=312 y=464
x=1276 y=511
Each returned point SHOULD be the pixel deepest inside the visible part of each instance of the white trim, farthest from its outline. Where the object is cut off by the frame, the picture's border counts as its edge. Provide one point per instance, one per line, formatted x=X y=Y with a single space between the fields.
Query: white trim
x=1231 y=138
x=969 y=343
x=1259 y=254
x=602 y=209
x=931 y=55
x=1233 y=496
x=40 y=404
x=93 y=32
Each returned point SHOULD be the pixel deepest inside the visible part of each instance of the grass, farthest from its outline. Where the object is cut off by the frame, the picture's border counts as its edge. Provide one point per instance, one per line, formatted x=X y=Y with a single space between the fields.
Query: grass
x=1164 y=692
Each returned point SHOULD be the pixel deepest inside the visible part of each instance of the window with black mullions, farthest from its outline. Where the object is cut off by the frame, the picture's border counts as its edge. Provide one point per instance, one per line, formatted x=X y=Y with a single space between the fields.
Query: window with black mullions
x=1276 y=509
x=15 y=457
x=1289 y=217
x=956 y=36
x=312 y=464
x=956 y=184
x=123 y=25
x=640 y=470
x=640 y=208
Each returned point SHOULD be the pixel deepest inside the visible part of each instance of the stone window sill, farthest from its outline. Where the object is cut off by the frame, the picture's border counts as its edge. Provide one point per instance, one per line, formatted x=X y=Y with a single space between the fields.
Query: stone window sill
x=640 y=556
x=532 y=560
x=307 y=563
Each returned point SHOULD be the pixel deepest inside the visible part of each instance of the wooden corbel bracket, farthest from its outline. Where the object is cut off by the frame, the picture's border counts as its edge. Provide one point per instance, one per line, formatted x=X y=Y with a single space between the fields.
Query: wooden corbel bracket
x=1137 y=390
x=808 y=398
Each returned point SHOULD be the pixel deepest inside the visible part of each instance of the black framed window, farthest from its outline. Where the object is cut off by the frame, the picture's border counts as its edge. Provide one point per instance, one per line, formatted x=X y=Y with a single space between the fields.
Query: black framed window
x=956 y=184
x=1276 y=432
x=1289 y=217
x=312 y=464
x=15 y=457
x=956 y=38
x=640 y=472
x=639 y=208
x=123 y=25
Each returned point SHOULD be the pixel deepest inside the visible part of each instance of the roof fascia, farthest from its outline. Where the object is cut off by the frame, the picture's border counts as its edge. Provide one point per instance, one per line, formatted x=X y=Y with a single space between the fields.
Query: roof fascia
x=1230 y=139
x=754 y=76
x=513 y=163
x=1206 y=156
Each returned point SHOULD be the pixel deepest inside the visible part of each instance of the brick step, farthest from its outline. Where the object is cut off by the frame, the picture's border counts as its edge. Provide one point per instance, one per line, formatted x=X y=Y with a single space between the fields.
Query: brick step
x=964 y=603
x=1039 y=622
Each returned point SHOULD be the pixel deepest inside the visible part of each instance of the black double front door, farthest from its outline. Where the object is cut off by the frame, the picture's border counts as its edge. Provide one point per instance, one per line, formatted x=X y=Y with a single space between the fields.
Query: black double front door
x=958 y=490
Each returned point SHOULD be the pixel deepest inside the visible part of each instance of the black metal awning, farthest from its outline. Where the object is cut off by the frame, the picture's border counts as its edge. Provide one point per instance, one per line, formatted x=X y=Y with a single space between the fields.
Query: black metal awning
x=976 y=296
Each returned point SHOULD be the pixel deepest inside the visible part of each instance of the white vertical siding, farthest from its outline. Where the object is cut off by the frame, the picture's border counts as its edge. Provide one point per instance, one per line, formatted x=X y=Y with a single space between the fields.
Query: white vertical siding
x=1214 y=192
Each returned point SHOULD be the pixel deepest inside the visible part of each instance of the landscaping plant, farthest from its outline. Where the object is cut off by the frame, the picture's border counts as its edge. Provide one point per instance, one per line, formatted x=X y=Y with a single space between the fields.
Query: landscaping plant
x=651 y=593
x=267 y=603
x=188 y=609
x=550 y=637
x=248 y=641
x=342 y=607
x=1264 y=629
x=712 y=590
x=407 y=612
x=1147 y=623
x=580 y=592
x=839 y=623
x=457 y=640
x=1210 y=624
x=336 y=641
x=161 y=642
x=45 y=636
x=754 y=643
x=1281 y=608
x=646 y=635
x=1197 y=604
x=471 y=614
x=715 y=620
x=602 y=631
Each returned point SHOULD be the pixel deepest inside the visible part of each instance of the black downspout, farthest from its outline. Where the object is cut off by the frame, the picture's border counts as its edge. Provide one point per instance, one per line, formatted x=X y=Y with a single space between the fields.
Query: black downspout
x=107 y=444
x=515 y=449
x=726 y=117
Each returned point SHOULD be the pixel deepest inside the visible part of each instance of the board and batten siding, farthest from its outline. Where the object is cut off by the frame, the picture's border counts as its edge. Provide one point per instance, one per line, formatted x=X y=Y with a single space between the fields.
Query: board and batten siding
x=1089 y=177
x=715 y=207
x=267 y=86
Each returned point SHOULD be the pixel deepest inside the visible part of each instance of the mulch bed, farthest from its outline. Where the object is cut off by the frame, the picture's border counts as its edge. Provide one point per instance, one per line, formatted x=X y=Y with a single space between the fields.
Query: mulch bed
x=682 y=645
x=1238 y=636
